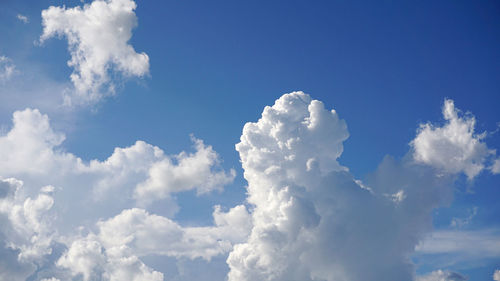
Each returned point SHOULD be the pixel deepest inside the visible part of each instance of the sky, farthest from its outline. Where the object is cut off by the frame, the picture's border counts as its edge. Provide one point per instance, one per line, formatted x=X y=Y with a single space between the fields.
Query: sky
x=249 y=141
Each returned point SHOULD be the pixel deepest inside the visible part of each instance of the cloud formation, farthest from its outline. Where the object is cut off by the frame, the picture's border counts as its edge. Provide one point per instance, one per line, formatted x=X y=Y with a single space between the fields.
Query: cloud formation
x=32 y=150
x=496 y=275
x=308 y=217
x=454 y=147
x=97 y=35
x=312 y=219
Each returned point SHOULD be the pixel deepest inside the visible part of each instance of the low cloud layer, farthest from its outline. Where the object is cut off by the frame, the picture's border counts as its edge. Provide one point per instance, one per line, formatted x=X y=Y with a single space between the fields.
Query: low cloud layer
x=97 y=35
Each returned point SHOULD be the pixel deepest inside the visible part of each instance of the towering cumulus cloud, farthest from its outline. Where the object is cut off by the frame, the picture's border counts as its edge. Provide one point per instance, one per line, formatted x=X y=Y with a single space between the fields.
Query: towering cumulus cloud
x=312 y=219
x=98 y=36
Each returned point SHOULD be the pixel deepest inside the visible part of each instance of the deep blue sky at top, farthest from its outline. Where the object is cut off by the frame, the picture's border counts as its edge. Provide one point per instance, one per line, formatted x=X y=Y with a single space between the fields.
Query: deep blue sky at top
x=385 y=66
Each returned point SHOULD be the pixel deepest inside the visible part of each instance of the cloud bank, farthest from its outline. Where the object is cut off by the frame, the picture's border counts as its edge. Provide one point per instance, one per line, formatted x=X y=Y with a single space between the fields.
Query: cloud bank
x=314 y=221
x=305 y=218
x=97 y=35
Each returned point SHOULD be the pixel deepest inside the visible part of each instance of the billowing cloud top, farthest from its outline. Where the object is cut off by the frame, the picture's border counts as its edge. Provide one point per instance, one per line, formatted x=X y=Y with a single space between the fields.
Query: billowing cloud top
x=98 y=36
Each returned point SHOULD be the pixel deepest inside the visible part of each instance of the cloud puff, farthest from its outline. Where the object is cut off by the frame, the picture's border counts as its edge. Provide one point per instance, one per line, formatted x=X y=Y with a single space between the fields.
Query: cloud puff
x=7 y=69
x=192 y=171
x=98 y=35
x=113 y=254
x=454 y=147
x=311 y=219
x=86 y=257
x=440 y=275
x=148 y=234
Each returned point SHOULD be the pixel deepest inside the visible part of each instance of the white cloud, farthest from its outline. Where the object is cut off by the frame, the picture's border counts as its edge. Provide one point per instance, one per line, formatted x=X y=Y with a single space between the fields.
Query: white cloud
x=148 y=234
x=312 y=220
x=454 y=147
x=98 y=35
x=496 y=275
x=7 y=69
x=26 y=230
x=31 y=150
x=440 y=275
x=193 y=171
x=309 y=218
x=23 y=18
x=114 y=254
x=86 y=257
x=87 y=192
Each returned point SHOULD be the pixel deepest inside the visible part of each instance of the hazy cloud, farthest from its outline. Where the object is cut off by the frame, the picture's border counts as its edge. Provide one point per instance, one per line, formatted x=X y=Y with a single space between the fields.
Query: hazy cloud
x=23 y=18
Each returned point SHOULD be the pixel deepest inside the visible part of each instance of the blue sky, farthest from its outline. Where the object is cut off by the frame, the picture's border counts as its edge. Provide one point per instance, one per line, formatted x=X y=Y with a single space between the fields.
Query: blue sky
x=206 y=68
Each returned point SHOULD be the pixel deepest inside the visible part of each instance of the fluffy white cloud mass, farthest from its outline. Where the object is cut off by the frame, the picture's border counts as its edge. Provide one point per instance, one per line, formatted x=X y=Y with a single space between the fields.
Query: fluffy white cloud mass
x=61 y=195
x=308 y=218
x=454 y=147
x=440 y=275
x=98 y=35
x=31 y=150
x=311 y=219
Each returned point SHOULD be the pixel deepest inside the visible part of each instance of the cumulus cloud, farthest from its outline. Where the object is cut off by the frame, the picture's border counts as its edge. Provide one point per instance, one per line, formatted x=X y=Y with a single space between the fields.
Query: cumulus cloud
x=308 y=217
x=87 y=258
x=23 y=18
x=83 y=193
x=97 y=35
x=31 y=150
x=148 y=234
x=193 y=171
x=26 y=231
x=440 y=275
x=113 y=254
x=312 y=220
x=7 y=69
x=454 y=147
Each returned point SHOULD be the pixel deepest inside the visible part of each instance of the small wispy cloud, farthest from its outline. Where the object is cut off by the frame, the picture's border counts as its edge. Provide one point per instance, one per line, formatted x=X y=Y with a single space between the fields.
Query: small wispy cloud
x=23 y=18
x=7 y=69
x=461 y=222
